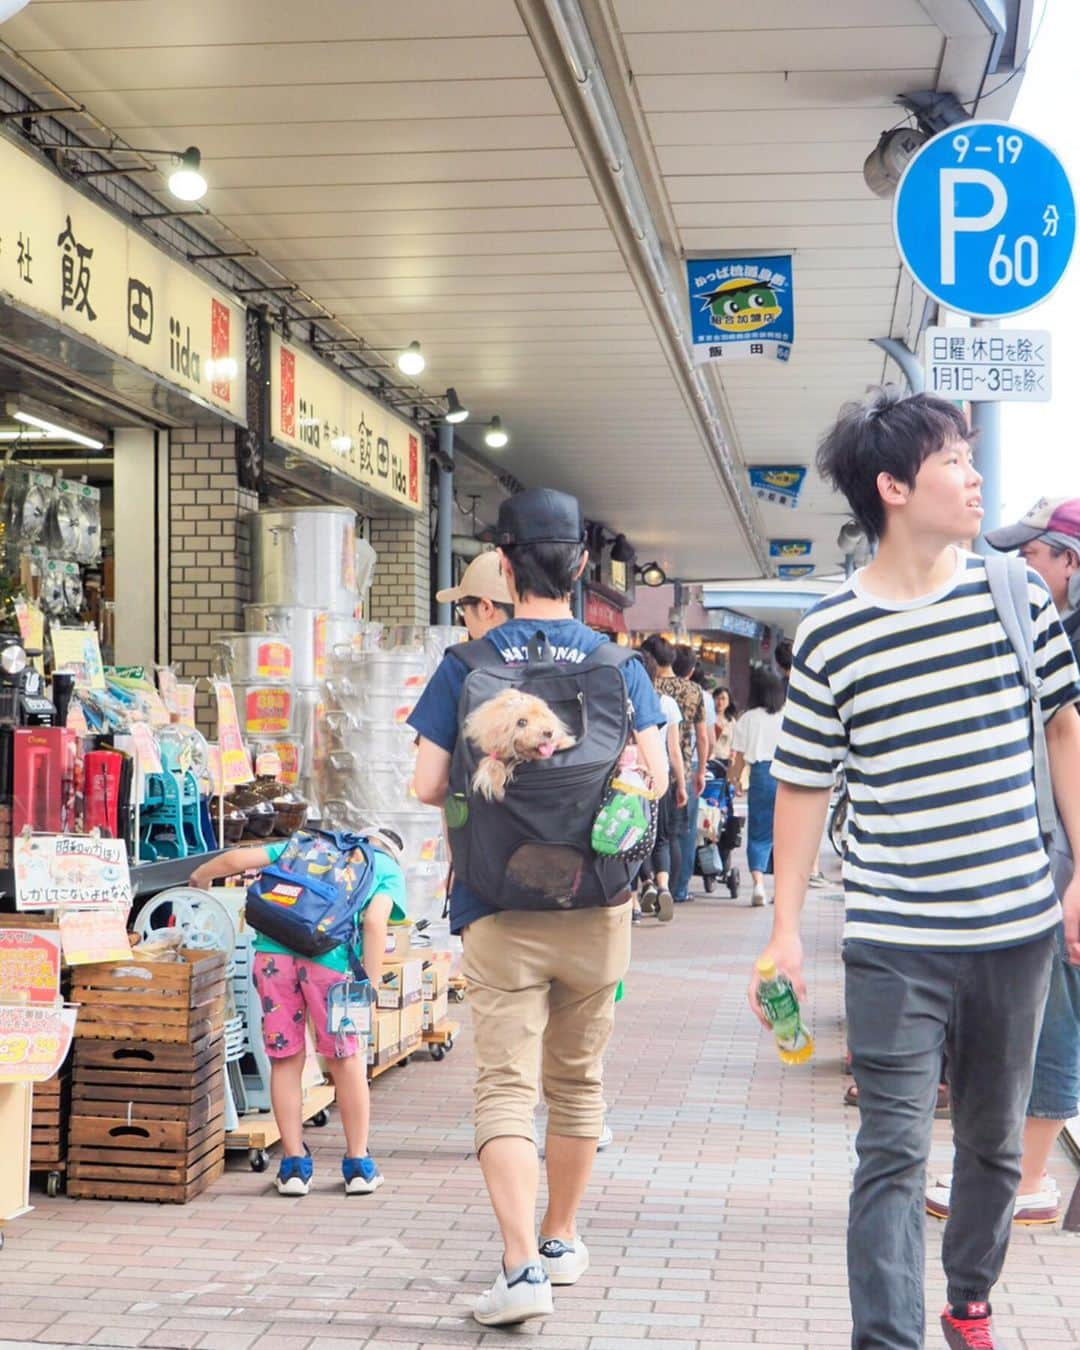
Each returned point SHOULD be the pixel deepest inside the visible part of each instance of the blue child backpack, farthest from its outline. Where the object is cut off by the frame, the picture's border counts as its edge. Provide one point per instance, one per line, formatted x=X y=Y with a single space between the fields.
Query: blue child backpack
x=310 y=899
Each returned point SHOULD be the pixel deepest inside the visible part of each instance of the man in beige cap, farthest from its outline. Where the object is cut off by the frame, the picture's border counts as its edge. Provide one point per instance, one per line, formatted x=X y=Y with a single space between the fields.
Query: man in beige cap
x=481 y=597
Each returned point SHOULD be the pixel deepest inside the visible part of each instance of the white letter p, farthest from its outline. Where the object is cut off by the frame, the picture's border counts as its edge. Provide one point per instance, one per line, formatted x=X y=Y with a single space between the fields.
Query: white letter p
x=952 y=224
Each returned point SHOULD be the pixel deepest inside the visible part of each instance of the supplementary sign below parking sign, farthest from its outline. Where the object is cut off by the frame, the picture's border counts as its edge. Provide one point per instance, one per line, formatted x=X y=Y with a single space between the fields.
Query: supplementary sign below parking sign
x=985 y=220
x=988 y=365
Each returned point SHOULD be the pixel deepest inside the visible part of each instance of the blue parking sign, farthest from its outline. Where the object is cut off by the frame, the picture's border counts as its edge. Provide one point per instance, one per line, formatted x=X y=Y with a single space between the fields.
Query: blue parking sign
x=985 y=220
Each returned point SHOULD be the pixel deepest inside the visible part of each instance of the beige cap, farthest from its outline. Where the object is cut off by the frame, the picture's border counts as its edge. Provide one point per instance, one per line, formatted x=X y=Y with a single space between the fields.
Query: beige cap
x=481 y=580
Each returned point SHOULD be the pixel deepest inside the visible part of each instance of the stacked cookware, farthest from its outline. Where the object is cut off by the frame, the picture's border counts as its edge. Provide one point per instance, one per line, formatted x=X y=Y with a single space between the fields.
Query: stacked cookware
x=367 y=770
x=310 y=576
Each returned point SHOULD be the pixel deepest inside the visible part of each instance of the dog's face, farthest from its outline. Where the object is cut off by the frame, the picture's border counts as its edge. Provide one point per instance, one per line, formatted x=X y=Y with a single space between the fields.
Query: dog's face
x=517 y=726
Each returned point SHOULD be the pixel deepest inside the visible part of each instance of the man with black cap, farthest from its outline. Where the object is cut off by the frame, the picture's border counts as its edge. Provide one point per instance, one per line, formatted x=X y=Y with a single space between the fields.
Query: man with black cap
x=541 y=982
x=1048 y=539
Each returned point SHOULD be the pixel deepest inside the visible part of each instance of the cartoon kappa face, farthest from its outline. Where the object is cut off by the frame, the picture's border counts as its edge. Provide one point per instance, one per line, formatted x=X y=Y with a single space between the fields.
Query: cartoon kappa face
x=742 y=306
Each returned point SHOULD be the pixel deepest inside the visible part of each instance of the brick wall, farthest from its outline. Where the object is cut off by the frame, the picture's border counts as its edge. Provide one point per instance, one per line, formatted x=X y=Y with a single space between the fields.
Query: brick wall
x=401 y=592
x=209 y=574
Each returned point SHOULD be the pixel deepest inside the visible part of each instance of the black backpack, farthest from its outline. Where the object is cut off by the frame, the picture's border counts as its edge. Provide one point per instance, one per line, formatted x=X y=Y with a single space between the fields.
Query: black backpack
x=533 y=850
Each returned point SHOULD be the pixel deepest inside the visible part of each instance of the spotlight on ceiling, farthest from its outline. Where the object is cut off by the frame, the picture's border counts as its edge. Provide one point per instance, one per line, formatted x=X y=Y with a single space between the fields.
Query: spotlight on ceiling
x=622 y=551
x=9 y=8
x=496 y=435
x=411 y=360
x=186 y=181
x=455 y=413
x=652 y=574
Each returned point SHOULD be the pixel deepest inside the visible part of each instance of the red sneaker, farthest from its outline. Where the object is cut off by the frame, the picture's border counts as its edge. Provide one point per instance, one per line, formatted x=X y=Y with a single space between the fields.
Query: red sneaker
x=967 y=1327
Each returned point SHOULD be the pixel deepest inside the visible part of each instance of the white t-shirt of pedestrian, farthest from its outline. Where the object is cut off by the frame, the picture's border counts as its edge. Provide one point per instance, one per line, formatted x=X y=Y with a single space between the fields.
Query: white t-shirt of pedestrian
x=755 y=735
x=672 y=718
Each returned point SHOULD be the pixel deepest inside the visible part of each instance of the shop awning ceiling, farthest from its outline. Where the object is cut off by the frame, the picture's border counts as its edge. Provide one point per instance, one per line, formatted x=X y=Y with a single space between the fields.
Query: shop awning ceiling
x=410 y=166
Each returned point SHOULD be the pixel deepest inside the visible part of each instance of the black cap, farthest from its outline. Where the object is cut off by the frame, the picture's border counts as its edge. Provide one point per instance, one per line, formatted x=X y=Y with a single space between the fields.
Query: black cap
x=540 y=516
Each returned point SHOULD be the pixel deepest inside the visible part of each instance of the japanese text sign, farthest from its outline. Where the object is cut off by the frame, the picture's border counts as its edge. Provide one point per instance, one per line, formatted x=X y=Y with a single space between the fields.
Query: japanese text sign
x=988 y=365
x=34 y=1042
x=328 y=418
x=93 y=935
x=66 y=256
x=68 y=871
x=29 y=966
x=741 y=307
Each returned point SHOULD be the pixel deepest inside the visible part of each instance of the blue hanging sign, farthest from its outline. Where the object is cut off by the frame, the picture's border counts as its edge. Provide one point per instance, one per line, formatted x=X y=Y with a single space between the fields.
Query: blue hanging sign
x=790 y=548
x=792 y=571
x=740 y=307
x=779 y=485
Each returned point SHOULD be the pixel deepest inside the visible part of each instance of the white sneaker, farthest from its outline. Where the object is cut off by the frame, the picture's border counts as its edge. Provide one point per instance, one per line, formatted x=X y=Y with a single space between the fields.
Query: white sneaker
x=757 y=898
x=526 y=1298
x=606 y=1138
x=565 y=1262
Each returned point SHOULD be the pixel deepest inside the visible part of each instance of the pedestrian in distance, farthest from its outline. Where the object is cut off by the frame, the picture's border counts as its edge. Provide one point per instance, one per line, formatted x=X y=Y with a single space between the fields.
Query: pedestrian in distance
x=544 y=921
x=909 y=678
x=753 y=744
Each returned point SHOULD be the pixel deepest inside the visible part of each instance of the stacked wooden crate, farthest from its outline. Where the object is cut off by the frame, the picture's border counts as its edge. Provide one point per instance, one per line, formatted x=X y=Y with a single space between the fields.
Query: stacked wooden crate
x=49 y=1126
x=148 y=1090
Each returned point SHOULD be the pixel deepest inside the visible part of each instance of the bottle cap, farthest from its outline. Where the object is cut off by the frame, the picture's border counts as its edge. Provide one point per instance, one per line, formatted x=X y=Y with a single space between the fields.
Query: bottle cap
x=766 y=968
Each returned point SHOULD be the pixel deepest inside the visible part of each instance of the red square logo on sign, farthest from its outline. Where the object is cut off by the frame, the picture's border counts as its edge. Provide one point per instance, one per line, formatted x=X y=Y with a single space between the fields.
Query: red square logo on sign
x=414 y=469
x=288 y=392
x=219 y=345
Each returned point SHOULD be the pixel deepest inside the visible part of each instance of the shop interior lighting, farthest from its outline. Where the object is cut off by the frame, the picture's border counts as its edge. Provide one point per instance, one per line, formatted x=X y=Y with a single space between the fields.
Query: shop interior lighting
x=496 y=435
x=186 y=181
x=56 y=432
x=411 y=360
x=455 y=413
x=622 y=551
x=652 y=574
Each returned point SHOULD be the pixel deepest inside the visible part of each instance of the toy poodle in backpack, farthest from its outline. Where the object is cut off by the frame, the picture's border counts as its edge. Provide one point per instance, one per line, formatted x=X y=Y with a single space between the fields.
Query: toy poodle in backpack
x=508 y=730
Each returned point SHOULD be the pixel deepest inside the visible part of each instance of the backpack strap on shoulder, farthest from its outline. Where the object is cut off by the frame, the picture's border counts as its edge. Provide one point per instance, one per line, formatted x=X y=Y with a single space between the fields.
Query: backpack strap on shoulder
x=480 y=654
x=1008 y=581
x=611 y=654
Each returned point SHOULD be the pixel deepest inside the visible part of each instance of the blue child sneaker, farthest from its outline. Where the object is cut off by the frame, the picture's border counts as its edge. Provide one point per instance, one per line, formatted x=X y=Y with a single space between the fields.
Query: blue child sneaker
x=294 y=1175
x=361 y=1175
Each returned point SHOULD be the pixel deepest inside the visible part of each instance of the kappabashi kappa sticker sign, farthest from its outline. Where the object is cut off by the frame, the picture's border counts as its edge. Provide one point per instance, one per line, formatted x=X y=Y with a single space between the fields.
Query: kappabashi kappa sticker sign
x=741 y=308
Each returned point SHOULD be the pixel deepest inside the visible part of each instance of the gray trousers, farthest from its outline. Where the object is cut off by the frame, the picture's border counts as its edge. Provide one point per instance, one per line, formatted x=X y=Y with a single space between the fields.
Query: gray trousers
x=904 y=1009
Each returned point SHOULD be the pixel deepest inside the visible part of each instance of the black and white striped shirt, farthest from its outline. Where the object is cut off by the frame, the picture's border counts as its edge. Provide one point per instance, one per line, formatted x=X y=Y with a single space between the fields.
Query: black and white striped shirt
x=923 y=704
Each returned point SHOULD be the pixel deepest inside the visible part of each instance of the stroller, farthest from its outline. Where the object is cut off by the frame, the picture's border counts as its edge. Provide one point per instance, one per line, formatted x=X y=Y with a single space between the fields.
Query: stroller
x=719 y=834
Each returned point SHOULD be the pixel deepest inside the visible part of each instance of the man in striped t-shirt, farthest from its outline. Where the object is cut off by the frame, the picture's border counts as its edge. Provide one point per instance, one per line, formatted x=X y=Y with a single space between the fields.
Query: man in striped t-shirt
x=906 y=677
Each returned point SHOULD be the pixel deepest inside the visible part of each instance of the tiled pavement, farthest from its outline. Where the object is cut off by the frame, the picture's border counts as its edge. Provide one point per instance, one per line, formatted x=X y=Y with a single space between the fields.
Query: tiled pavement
x=716 y=1219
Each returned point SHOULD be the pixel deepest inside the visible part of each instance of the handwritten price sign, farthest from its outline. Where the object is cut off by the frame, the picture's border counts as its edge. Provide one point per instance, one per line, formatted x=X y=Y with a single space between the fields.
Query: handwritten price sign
x=29 y=966
x=34 y=1042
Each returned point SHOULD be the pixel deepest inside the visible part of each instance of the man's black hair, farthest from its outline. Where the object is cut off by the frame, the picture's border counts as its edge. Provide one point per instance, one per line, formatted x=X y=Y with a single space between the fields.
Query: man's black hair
x=544 y=571
x=649 y=662
x=766 y=690
x=660 y=649
x=685 y=662
x=784 y=655
x=502 y=605
x=885 y=433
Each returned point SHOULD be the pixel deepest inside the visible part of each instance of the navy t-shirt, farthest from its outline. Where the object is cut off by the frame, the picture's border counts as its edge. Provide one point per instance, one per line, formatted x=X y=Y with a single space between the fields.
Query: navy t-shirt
x=435 y=717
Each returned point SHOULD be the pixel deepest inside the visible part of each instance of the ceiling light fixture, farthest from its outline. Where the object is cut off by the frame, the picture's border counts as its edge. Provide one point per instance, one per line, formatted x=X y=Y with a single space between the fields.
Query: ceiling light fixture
x=455 y=413
x=411 y=360
x=186 y=181
x=496 y=435
x=58 y=432
x=9 y=8
x=622 y=551
x=652 y=574
x=24 y=436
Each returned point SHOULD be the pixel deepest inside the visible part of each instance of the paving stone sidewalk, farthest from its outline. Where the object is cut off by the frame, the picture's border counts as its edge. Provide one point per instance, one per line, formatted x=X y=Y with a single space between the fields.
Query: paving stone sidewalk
x=716 y=1218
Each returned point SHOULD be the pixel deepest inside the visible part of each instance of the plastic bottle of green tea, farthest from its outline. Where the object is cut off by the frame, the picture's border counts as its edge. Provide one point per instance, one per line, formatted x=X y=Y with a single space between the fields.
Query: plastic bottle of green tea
x=777 y=1001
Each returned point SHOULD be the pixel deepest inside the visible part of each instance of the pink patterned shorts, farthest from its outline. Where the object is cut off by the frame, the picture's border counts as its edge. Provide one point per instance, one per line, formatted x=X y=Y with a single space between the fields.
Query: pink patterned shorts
x=290 y=988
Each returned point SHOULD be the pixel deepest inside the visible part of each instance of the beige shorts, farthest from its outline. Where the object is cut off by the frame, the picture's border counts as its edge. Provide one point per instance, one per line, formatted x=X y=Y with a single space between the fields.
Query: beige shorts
x=542 y=993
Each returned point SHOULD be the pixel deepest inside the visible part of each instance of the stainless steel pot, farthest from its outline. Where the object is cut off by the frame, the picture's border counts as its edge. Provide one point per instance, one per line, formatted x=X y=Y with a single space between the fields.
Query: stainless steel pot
x=265 y=657
x=302 y=625
x=305 y=555
x=264 y=709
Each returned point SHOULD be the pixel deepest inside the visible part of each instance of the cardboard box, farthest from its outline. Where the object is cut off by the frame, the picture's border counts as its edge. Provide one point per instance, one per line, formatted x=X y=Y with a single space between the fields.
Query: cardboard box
x=436 y=974
x=402 y=984
x=385 y=1036
x=436 y=1011
x=412 y=1021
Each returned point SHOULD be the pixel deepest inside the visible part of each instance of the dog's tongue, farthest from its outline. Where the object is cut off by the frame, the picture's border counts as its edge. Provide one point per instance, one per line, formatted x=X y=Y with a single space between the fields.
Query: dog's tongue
x=546 y=750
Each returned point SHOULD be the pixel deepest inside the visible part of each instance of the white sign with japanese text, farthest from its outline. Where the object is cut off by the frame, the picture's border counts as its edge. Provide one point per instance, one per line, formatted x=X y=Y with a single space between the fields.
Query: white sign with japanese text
x=71 y=871
x=329 y=419
x=988 y=365
x=64 y=256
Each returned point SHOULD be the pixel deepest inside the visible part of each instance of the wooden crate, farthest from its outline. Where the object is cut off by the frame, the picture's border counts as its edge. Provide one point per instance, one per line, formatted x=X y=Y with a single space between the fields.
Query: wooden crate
x=48 y=1122
x=147 y=1119
x=177 y=1002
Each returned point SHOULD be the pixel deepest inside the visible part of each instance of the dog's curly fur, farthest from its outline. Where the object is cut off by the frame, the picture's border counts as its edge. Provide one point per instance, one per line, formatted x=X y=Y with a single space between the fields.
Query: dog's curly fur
x=509 y=729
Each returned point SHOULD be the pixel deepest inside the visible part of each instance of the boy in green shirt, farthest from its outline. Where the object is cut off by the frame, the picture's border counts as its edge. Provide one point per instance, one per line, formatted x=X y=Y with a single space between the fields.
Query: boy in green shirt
x=292 y=987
